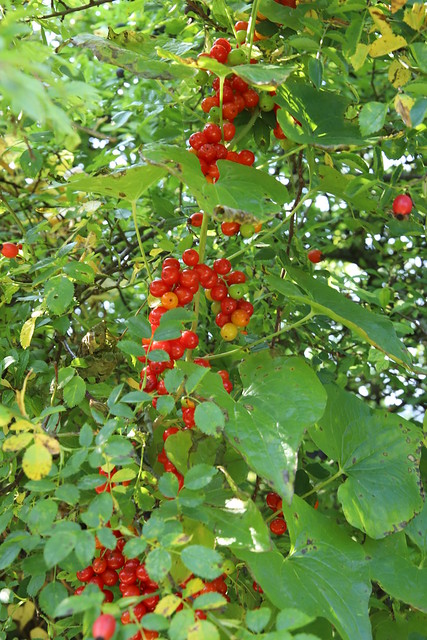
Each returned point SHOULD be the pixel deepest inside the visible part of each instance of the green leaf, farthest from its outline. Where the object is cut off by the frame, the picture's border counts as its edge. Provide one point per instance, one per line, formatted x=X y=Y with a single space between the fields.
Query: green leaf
x=41 y=516
x=86 y=435
x=158 y=563
x=165 y=405
x=100 y=510
x=202 y=561
x=58 y=547
x=289 y=619
x=173 y=380
x=281 y=398
x=379 y=454
x=315 y=71
x=209 y=419
x=80 y=271
x=238 y=524
x=139 y=327
x=264 y=76
x=257 y=619
x=376 y=329
x=136 y=397
x=389 y=562
x=128 y=184
x=51 y=596
x=372 y=117
x=131 y=348
x=168 y=485
x=417 y=530
x=210 y=600
x=85 y=547
x=199 y=476
x=177 y=448
x=68 y=493
x=107 y=538
x=59 y=292
x=134 y=547
x=74 y=391
x=325 y=574
x=93 y=599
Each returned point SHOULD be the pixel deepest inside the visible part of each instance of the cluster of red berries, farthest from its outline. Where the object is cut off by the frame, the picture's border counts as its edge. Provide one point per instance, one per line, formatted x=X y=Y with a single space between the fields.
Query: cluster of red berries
x=108 y=485
x=402 y=206
x=134 y=581
x=9 y=249
x=232 y=311
x=229 y=229
x=208 y=144
x=278 y=526
x=111 y=568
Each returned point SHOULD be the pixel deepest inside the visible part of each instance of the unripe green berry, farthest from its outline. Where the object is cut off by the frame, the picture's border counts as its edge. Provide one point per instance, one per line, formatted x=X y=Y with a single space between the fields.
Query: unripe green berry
x=247 y=230
x=236 y=56
x=241 y=36
x=237 y=291
x=215 y=307
x=266 y=102
x=214 y=115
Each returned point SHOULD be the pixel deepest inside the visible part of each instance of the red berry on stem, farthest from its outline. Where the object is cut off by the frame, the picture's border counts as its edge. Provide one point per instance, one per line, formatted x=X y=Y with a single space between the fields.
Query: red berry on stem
x=402 y=205
x=241 y=25
x=208 y=103
x=230 y=228
x=212 y=132
x=229 y=131
x=196 y=219
x=222 y=266
x=236 y=277
x=189 y=339
x=278 y=526
x=246 y=157
x=315 y=256
x=219 y=53
x=223 y=43
x=197 y=139
x=104 y=627
x=9 y=250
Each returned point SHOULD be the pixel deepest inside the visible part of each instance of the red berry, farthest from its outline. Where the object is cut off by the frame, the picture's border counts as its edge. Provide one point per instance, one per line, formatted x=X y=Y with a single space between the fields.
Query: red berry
x=227 y=94
x=256 y=587
x=278 y=132
x=222 y=319
x=402 y=205
x=169 y=432
x=221 y=151
x=104 y=627
x=189 y=339
x=189 y=278
x=99 y=565
x=241 y=25
x=229 y=111
x=228 y=305
x=207 y=153
x=170 y=276
x=79 y=590
x=223 y=43
x=177 y=349
x=278 y=526
x=232 y=156
x=155 y=315
x=246 y=306
x=115 y=559
x=246 y=157
x=219 y=53
x=127 y=575
x=229 y=131
x=85 y=574
x=110 y=577
x=272 y=500
x=251 y=98
x=239 y=102
x=202 y=362
x=158 y=288
x=190 y=257
x=183 y=294
x=239 y=84
x=98 y=581
x=128 y=590
x=219 y=292
x=196 y=219
x=171 y=262
x=196 y=140
x=108 y=595
x=230 y=228
x=212 y=132
x=9 y=250
x=315 y=256
x=208 y=103
x=222 y=266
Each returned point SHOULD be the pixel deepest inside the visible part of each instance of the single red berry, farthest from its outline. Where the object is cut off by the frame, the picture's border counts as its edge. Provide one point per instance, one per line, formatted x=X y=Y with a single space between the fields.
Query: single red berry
x=223 y=43
x=272 y=500
x=228 y=386
x=115 y=559
x=158 y=288
x=229 y=111
x=278 y=132
x=171 y=262
x=9 y=250
x=241 y=25
x=247 y=306
x=228 y=305
x=246 y=157
x=236 y=277
x=177 y=349
x=256 y=587
x=221 y=151
x=222 y=266
x=278 y=526
x=128 y=590
x=98 y=581
x=168 y=432
x=170 y=275
x=230 y=228
x=222 y=319
x=104 y=627
x=251 y=98
x=196 y=140
x=239 y=102
x=219 y=53
x=227 y=94
x=202 y=362
x=85 y=574
x=184 y=295
x=402 y=205
x=229 y=131
x=315 y=256
x=207 y=153
x=189 y=339
x=239 y=84
x=232 y=156
x=79 y=590
x=189 y=278
x=219 y=292
x=208 y=103
x=212 y=132
x=196 y=219
x=99 y=565
x=108 y=595
x=110 y=577
x=190 y=257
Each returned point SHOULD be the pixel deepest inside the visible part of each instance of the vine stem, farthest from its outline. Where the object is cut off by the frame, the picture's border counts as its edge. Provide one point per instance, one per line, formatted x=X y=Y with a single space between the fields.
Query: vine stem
x=323 y=484
x=285 y=329
x=202 y=249
x=252 y=24
x=141 y=247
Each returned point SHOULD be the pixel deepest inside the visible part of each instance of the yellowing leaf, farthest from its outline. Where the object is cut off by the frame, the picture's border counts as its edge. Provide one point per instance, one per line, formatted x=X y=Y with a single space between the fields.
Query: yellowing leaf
x=403 y=105
x=5 y=416
x=22 y=613
x=380 y=20
x=328 y=160
x=192 y=587
x=37 y=462
x=27 y=332
x=16 y=443
x=132 y=383
x=167 y=605
x=358 y=58
x=398 y=74
x=416 y=16
x=397 y=4
x=38 y=634
x=21 y=425
x=386 y=44
x=51 y=444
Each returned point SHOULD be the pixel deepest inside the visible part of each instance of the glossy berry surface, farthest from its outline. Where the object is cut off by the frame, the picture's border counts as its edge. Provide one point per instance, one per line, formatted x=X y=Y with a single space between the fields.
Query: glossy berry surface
x=9 y=250
x=315 y=256
x=402 y=205
x=104 y=627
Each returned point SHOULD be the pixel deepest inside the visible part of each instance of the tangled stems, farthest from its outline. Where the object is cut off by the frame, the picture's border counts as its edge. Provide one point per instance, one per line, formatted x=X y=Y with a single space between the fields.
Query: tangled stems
x=141 y=247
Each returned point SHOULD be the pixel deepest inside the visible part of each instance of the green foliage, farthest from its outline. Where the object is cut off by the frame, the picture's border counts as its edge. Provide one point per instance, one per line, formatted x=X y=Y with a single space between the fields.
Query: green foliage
x=274 y=489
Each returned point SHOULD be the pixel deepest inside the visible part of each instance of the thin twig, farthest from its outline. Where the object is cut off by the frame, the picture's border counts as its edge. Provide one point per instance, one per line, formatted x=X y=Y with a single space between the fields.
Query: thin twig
x=62 y=14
